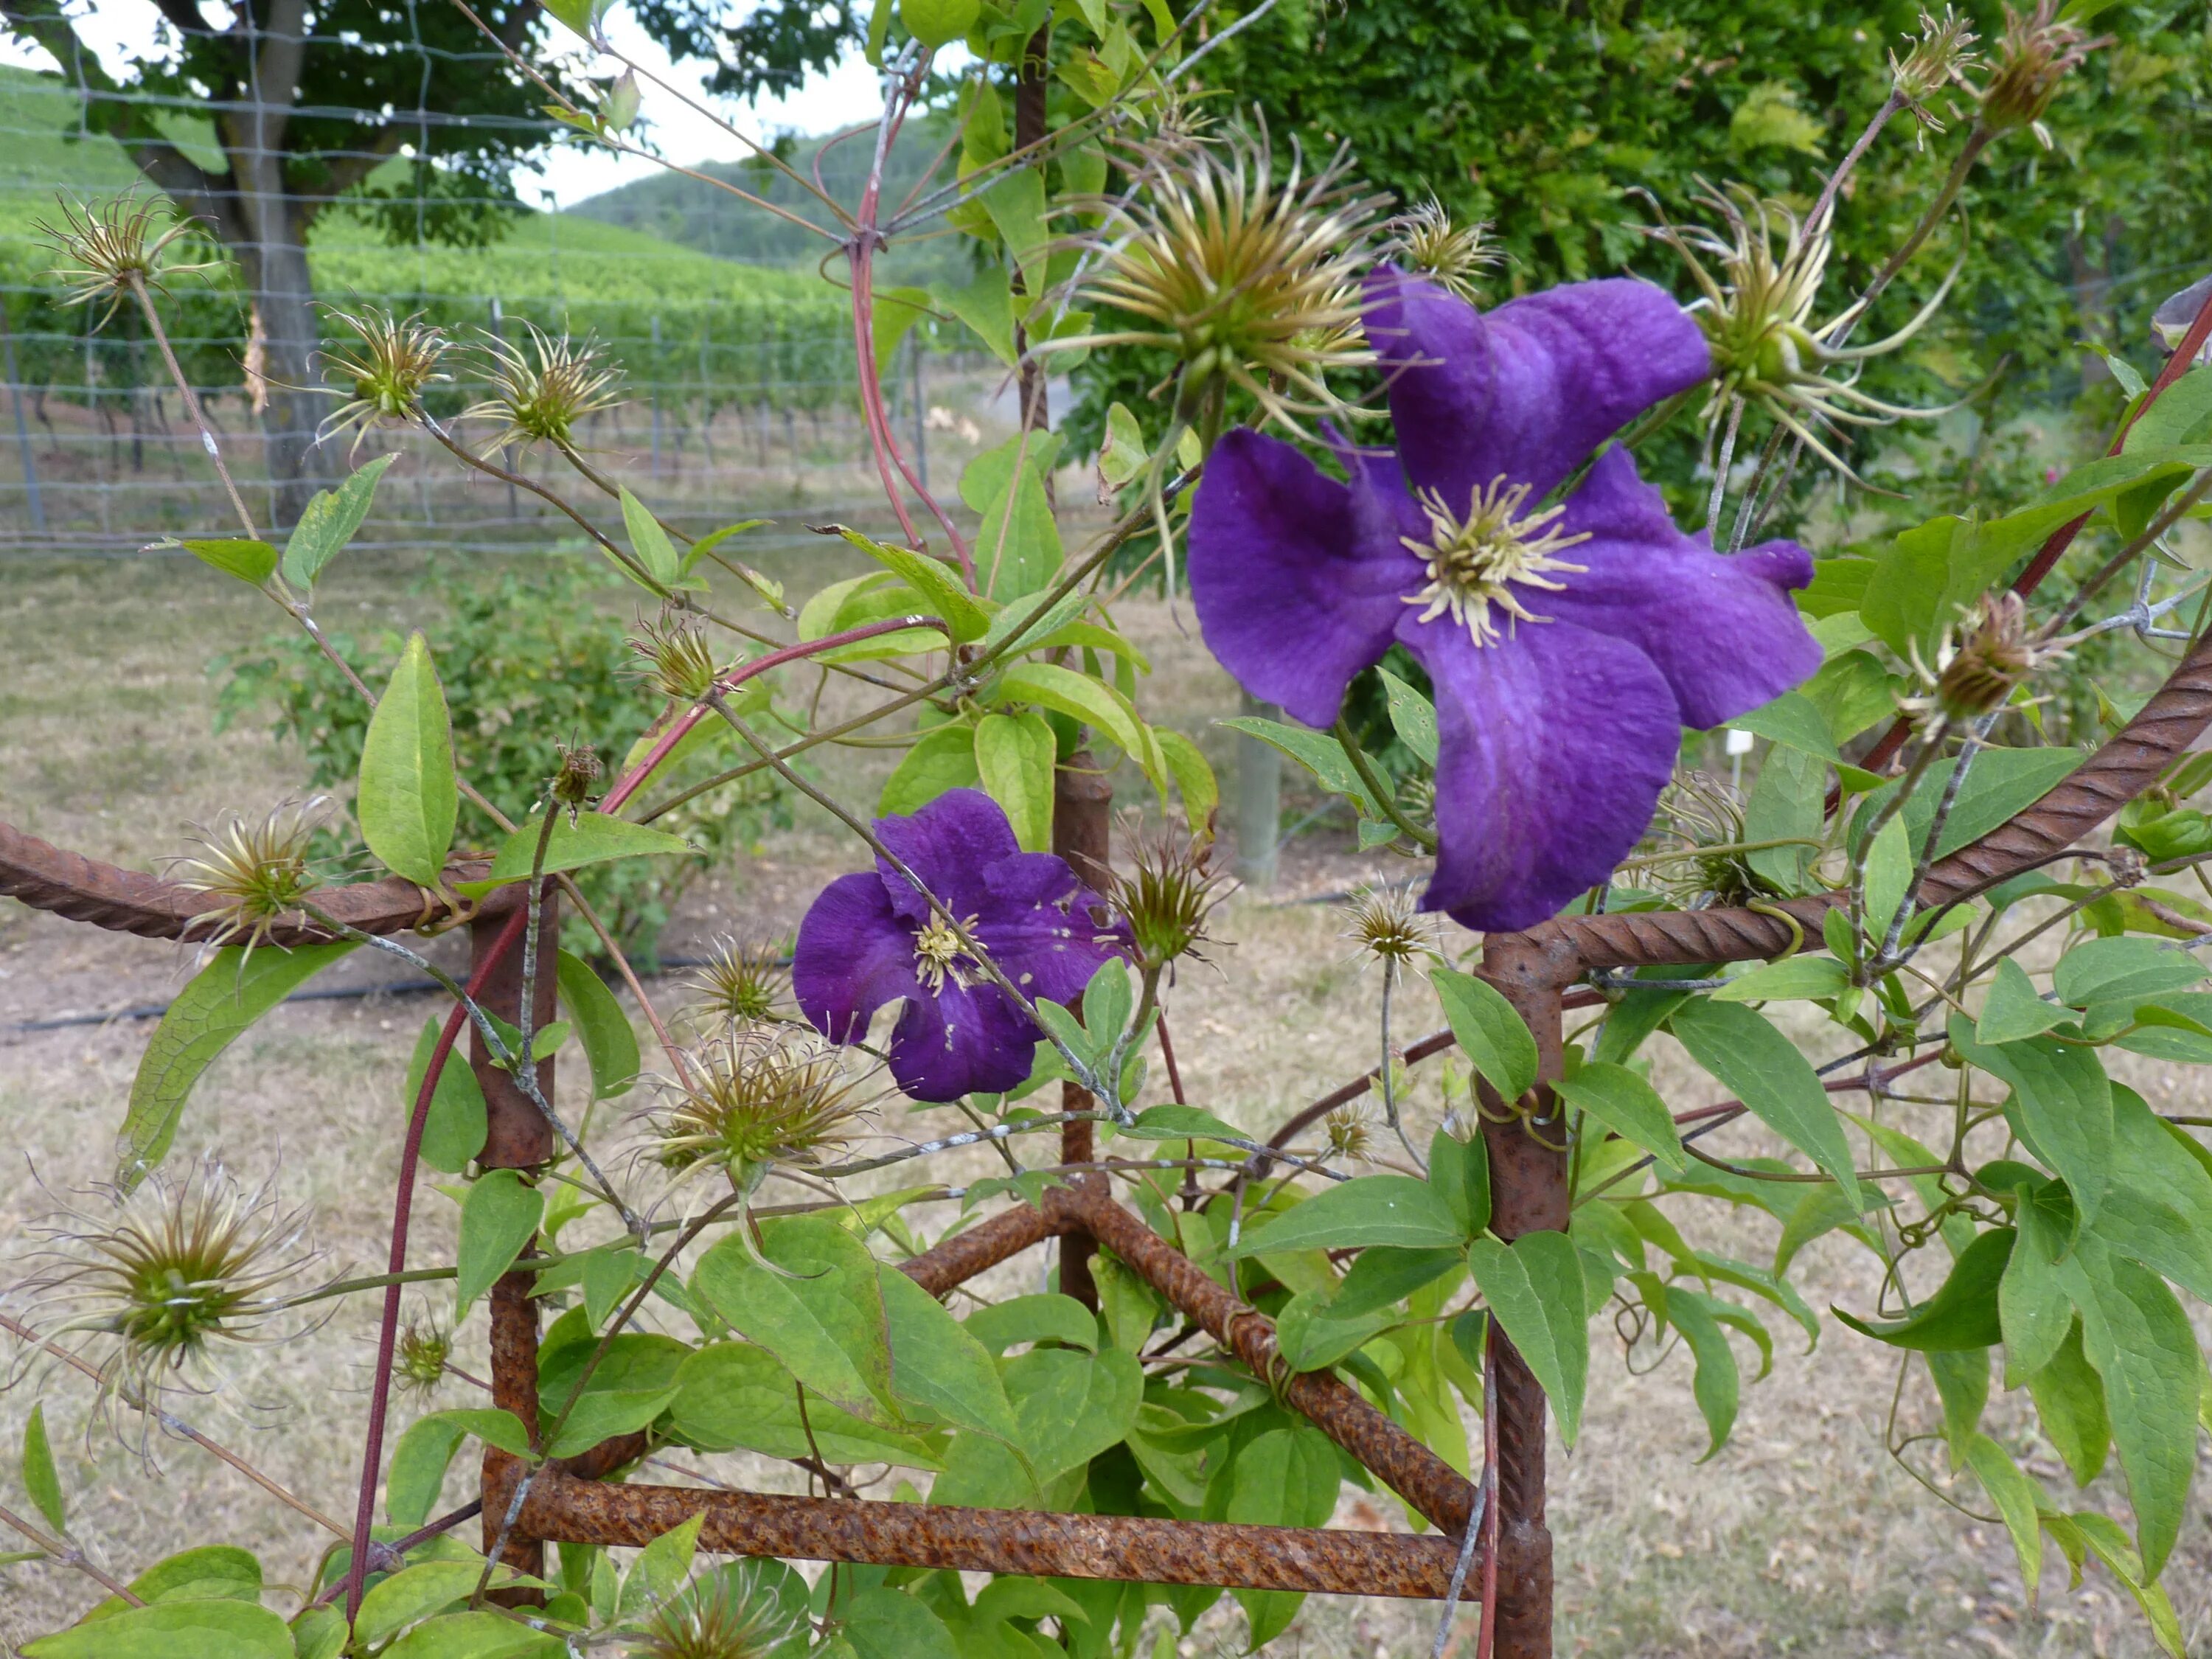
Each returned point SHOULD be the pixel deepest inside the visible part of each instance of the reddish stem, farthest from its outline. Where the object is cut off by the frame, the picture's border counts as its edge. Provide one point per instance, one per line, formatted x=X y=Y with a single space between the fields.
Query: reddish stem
x=737 y=676
x=401 y=1208
x=1167 y=1053
x=2054 y=549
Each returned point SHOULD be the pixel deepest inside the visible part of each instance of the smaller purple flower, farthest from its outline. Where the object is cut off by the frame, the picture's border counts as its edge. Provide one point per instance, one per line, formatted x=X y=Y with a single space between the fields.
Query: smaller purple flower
x=870 y=939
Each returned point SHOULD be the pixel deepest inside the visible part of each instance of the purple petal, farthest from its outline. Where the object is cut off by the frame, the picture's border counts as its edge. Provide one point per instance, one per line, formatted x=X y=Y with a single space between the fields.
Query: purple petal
x=1553 y=746
x=950 y=843
x=854 y=956
x=1046 y=931
x=1720 y=628
x=1297 y=589
x=961 y=1038
x=1528 y=391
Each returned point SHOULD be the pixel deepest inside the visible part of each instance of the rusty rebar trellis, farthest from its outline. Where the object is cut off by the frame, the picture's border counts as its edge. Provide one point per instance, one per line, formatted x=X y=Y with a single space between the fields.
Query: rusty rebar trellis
x=572 y=1503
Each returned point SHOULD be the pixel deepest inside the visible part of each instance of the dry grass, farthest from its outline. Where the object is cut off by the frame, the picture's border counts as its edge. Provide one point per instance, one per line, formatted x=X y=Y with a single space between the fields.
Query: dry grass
x=1802 y=1536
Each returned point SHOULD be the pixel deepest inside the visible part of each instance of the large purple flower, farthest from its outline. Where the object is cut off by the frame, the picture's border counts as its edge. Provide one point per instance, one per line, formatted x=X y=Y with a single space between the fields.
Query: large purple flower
x=871 y=938
x=1567 y=645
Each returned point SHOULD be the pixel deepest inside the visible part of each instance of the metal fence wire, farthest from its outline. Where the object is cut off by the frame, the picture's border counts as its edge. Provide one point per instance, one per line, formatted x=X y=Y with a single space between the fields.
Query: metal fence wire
x=737 y=371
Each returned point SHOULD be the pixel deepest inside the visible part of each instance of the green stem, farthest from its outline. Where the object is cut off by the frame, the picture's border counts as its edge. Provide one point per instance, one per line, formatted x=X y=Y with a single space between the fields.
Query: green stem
x=1384 y=798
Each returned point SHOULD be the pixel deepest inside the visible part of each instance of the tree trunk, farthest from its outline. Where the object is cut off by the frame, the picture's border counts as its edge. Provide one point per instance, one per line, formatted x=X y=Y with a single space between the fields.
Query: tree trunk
x=276 y=268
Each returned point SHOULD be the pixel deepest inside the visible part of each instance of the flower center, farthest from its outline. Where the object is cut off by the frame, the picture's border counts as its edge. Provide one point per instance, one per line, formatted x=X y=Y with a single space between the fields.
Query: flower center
x=937 y=951
x=1475 y=563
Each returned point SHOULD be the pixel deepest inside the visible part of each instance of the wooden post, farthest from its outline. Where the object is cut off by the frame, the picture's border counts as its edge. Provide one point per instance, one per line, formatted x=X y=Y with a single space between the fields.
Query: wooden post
x=1083 y=833
x=1529 y=1192
x=517 y=1137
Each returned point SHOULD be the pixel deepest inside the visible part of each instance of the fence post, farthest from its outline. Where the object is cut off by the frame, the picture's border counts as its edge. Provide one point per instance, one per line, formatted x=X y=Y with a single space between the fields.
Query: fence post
x=22 y=430
x=1258 y=801
x=656 y=394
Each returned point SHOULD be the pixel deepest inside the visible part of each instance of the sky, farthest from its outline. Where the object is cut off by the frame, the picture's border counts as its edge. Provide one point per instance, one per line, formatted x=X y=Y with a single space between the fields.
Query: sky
x=119 y=30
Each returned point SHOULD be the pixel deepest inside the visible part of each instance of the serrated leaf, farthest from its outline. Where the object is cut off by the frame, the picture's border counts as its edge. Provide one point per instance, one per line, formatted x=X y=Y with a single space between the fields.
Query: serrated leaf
x=1764 y=1070
x=408 y=800
x=1496 y=1039
x=610 y=1044
x=1533 y=1287
x=1385 y=1209
x=499 y=1217
x=329 y=521
x=224 y=998
x=1624 y=1103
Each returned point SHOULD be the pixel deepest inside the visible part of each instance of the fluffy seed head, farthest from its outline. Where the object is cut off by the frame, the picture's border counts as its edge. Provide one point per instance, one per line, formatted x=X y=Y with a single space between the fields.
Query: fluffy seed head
x=729 y=1615
x=259 y=871
x=1938 y=59
x=2039 y=50
x=674 y=657
x=156 y=1278
x=1168 y=896
x=1979 y=663
x=537 y=394
x=1388 y=925
x=1701 y=814
x=1247 y=281
x=425 y=1348
x=383 y=374
x=740 y=985
x=1426 y=239
x=1348 y=1133
x=108 y=251
x=756 y=1095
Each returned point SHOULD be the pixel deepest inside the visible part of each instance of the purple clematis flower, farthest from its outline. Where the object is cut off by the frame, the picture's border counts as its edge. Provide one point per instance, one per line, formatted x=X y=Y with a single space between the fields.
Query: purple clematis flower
x=871 y=938
x=1568 y=645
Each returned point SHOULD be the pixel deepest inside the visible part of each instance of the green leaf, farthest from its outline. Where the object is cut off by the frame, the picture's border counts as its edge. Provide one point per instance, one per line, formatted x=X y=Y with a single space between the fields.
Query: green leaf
x=602 y=1413
x=1793 y=720
x=2034 y=1312
x=1194 y=780
x=1785 y=803
x=411 y=1594
x=1014 y=757
x=734 y=1394
x=482 y=1634
x=1963 y=1312
x=1631 y=1019
x=1070 y=1406
x=1534 y=1289
x=1282 y=1478
x=233 y=990
x=1496 y=1038
x=453 y=1132
x=2110 y=1545
x=1080 y=698
x=1312 y=1333
x=610 y=1044
x=939 y=1371
x=889 y=1623
x=1028 y=622
x=714 y=538
x=499 y=1217
x=2013 y=1009
x=2139 y=1338
x=1046 y=1317
x=1383 y=1209
x=1015 y=200
x=40 y=1479
x=2014 y=1494
x=1888 y=877
x=252 y=562
x=649 y=542
x=408 y=799
x=2001 y=784
x=2069 y=1399
x=810 y=1297
x=173 y=1630
x=1412 y=716
x=1793 y=979
x=420 y=1459
x=2123 y=970
x=1624 y=1103
x=947 y=598
x=2158 y=1210
x=1459 y=1169
x=897 y=310
x=1180 y=1123
x=1018 y=546
x=1319 y=752
x=986 y=305
x=2061 y=1108
x=593 y=838
x=1962 y=1381
x=1764 y=1070
x=329 y=521
x=1385 y=1274
x=1718 y=1383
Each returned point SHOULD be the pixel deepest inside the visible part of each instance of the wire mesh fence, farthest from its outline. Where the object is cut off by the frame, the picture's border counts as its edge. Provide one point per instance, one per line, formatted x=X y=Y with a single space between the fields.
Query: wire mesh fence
x=738 y=372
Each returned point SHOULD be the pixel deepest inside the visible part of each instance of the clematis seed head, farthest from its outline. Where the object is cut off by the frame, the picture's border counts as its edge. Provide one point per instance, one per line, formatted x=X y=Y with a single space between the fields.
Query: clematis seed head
x=258 y=871
x=730 y=1614
x=1979 y=665
x=1249 y=281
x=1938 y=59
x=1388 y=925
x=110 y=251
x=741 y=984
x=2036 y=53
x=1703 y=817
x=383 y=374
x=537 y=394
x=425 y=1350
x=579 y=770
x=674 y=657
x=1426 y=239
x=756 y=1095
x=1348 y=1133
x=1167 y=899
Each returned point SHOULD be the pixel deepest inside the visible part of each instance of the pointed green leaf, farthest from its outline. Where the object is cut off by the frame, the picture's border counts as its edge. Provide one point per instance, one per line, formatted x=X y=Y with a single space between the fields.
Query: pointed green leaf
x=1535 y=1289
x=649 y=542
x=2033 y=1311
x=1385 y=1209
x=966 y=617
x=1764 y=1070
x=1459 y=1169
x=411 y=1594
x=1194 y=779
x=1793 y=979
x=1045 y=1317
x=593 y=838
x=610 y=1044
x=453 y=1133
x=1412 y=716
x=1718 y=1383
x=2014 y=1010
x=408 y=800
x=1793 y=720
x=1384 y=1274
x=2061 y=1108
x=2014 y=1494
x=173 y=1630
x=2069 y=1400
x=809 y=1295
x=233 y=990
x=1963 y=1312
x=329 y=521
x=890 y=1624
x=1080 y=698
x=1624 y=1103
x=1495 y=1037
x=940 y=1372
x=40 y=1479
x=1014 y=757
x=252 y=562
x=499 y=1217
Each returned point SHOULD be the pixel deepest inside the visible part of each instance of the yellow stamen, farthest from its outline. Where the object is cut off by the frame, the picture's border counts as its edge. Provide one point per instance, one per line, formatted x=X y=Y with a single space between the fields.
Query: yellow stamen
x=937 y=951
x=1475 y=562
